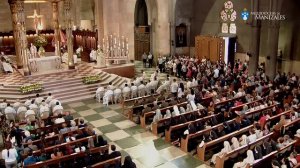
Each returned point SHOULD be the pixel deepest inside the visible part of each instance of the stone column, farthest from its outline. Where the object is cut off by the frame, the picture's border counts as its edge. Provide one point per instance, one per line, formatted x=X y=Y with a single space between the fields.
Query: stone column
x=272 y=42
x=99 y=20
x=172 y=38
x=255 y=39
x=56 y=26
x=68 y=26
x=19 y=31
x=273 y=37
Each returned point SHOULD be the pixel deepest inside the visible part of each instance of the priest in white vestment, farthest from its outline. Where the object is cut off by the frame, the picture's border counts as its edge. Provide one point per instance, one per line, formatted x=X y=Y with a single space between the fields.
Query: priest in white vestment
x=93 y=55
x=7 y=67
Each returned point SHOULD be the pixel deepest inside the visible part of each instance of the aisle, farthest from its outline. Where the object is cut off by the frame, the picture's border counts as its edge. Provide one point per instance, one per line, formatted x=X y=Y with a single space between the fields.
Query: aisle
x=146 y=149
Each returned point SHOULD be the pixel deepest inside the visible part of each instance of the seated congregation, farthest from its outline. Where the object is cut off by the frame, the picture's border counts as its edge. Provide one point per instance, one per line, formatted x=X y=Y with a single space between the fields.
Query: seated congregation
x=224 y=115
x=39 y=133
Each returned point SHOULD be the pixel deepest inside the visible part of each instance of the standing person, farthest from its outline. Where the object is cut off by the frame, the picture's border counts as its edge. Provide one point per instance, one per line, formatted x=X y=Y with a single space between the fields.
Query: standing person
x=144 y=57
x=128 y=163
x=174 y=88
x=10 y=156
x=160 y=63
x=150 y=59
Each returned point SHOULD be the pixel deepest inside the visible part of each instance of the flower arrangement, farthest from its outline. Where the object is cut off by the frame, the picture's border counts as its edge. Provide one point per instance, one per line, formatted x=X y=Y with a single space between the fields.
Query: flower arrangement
x=91 y=79
x=40 y=41
x=30 y=88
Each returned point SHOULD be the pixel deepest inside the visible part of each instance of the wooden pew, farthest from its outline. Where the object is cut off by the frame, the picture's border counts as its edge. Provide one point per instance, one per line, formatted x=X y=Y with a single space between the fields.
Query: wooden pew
x=156 y=125
x=184 y=142
x=51 y=148
x=146 y=115
x=260 y=162
x=240 y=107
x=221 y=159
x=134 y=108
x=201 y=150
x=168 y=133
x=129 y=102
x=286 y=126
x=111 y=162
x=54 y=137
x=73 y=156
x=34 y=121
x=52 y=126
x=229 y=100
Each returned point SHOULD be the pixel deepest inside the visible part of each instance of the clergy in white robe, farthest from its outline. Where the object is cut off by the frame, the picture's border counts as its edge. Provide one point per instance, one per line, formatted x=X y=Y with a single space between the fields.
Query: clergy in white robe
x=29 y=112
x=93 y=55
x=117 y=95
x=49 y=98
x=7 y=67
x=58 y=108
x=126 y=91
x=9 y=109
x=108 y=96
x=100 y=93
x=141 y=89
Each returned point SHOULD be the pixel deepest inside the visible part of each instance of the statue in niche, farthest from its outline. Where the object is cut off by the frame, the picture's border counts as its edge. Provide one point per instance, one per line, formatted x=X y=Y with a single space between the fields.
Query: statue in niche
x=181 y=35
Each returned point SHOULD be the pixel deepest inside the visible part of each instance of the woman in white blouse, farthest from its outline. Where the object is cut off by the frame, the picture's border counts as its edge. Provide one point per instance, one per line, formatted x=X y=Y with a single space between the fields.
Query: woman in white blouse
x=180 y=91
x=10 y=156
x=191 y=96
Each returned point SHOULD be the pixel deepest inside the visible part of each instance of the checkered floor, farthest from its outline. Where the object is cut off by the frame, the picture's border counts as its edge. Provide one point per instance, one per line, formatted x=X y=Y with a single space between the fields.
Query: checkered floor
x=131 y=138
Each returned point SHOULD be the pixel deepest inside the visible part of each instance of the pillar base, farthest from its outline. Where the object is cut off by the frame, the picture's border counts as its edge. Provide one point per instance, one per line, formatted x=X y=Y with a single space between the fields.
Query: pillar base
x=27 y=73
x=19 y=66
x=71 y=66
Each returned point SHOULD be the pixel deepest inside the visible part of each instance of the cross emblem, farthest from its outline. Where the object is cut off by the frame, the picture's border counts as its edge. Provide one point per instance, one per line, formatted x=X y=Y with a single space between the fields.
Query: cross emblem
x=35 y=18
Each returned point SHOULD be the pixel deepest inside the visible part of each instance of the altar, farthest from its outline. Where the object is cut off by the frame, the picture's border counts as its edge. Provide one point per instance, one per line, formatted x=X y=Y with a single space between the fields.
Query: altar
x=44 y=64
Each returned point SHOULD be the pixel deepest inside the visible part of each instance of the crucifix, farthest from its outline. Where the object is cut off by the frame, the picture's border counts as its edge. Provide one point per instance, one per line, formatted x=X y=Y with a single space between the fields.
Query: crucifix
x=35 y=18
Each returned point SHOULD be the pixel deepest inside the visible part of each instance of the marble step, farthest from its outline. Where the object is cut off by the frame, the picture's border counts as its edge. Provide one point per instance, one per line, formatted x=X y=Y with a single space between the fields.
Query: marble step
x=75 y=95
x=58 y=83
x=77 y=99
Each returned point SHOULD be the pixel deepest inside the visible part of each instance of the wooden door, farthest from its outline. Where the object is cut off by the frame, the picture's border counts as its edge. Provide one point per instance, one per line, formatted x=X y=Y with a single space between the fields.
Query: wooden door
x=141 y=41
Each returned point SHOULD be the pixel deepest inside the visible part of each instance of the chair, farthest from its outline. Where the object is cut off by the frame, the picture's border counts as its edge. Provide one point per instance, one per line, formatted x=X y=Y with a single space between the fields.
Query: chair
x=21 y=115
x=107 y=98
x=133 y=93
x=141 y=92
x=126 y=95
x=36 y=110
x=45 y=115
x=117 y=97
x=10 y=117
x=58 y=111
x=30 y=117
x=99 y=95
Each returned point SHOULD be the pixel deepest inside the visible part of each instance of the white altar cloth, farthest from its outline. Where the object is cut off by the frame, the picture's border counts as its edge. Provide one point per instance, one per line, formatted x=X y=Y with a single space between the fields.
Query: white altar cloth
x=65 y=58
x=44 y=64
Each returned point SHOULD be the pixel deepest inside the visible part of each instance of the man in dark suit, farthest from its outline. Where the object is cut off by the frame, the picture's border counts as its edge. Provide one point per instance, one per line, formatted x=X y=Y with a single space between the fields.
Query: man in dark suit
x=257 y=152
x=266 y=148
x=114 y=153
